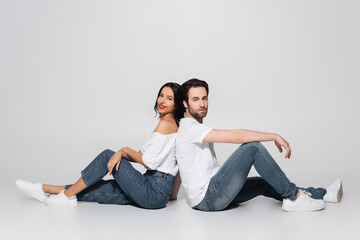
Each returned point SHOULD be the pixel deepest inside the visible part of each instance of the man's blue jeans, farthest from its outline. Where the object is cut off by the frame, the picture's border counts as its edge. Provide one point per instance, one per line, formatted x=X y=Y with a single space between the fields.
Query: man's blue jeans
x=230 y=184
x=151 y=190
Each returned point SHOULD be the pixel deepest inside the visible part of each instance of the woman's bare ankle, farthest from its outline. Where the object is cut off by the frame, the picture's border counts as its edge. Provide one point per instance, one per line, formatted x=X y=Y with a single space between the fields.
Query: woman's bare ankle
x=68 y=193
x=51 y=189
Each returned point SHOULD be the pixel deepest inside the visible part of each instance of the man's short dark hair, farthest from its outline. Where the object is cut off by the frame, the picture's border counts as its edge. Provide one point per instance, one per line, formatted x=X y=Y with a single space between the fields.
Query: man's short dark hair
x=194 y=82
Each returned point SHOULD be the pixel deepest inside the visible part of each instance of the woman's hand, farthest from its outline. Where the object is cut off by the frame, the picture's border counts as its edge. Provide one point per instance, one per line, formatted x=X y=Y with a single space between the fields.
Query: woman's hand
x=115 y=160
x=280 y=142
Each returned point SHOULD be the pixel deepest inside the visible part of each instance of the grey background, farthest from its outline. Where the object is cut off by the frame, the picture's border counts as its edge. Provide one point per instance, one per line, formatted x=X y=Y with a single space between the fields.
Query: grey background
x=78 y=77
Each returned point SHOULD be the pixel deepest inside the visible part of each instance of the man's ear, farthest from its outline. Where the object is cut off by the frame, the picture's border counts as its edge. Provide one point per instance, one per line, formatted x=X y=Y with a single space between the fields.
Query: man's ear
x=185 y=104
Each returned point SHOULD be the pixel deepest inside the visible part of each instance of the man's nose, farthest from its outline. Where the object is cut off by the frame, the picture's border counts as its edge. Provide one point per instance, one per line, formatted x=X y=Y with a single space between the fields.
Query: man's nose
x=202 y=103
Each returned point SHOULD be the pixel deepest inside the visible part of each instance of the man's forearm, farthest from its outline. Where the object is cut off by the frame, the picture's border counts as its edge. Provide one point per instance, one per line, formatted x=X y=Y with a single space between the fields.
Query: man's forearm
x=244 y=136
x=239 y=136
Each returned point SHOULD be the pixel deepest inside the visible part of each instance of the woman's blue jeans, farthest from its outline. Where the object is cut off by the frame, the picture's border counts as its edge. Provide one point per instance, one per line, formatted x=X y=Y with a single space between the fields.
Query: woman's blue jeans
x=230 y=184
x=151 y=190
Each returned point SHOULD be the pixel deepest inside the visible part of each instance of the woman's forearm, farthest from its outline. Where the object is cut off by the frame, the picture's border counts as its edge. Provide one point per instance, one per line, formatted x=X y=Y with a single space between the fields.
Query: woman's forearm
x=132 y=155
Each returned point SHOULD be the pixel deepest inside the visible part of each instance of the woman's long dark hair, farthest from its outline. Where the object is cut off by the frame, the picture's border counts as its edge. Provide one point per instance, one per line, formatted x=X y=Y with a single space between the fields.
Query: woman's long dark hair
x=179 y=106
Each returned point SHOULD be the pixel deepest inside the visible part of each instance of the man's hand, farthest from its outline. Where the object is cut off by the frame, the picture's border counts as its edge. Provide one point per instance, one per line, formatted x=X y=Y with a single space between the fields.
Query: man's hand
x=114 y=160
x=280 y=142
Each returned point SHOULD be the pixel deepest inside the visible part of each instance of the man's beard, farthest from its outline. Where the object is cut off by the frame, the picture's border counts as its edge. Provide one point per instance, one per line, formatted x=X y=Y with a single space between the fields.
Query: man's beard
x=197 y=115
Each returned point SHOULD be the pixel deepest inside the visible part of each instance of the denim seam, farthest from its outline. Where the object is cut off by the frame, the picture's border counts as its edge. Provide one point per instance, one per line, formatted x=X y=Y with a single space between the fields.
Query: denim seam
x=101 y=194
x=279 y=175
x=132 y=177
x=232 y=163
x=209 y=202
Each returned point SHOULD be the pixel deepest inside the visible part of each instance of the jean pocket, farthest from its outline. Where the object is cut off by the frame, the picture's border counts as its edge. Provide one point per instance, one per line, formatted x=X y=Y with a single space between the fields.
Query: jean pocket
x=163 y=186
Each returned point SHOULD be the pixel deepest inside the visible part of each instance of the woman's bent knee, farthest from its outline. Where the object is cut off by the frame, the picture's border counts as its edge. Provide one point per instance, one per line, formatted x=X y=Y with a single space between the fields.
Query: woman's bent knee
x=105 y=156
x=107 y=152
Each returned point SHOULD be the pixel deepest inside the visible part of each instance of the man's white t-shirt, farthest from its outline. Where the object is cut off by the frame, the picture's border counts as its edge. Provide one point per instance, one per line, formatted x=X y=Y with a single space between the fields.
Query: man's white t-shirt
x=196 y=159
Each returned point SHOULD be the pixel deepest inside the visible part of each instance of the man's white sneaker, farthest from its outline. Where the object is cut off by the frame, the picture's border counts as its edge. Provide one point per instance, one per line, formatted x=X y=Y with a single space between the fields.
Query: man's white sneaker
x=334 y=192
x=60 y=200
x=304 y=203
x=32 y=189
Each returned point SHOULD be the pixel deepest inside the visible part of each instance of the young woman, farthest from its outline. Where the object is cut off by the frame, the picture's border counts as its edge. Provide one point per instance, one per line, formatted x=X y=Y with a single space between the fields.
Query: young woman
x=151 y=190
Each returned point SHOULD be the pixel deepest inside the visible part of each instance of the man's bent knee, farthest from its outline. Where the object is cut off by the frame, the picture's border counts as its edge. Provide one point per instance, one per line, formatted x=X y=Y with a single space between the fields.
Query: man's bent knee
x=255 y=144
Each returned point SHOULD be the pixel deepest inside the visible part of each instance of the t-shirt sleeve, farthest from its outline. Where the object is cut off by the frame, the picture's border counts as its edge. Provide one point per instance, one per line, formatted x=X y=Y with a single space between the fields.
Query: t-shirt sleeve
x=196 y=133
x=157 y=150
x=150 y=164
x=151 y=150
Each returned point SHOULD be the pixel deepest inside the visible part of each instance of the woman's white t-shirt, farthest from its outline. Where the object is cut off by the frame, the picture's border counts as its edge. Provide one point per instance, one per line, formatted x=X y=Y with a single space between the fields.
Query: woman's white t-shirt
x=158 y=153
x=196 y=159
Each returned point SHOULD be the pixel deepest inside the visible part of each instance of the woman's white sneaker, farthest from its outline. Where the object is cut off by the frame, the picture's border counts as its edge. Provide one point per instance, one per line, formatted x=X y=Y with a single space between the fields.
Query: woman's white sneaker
x=32 y=189
x=304 y=203
x=334 y=192
x=60 y=200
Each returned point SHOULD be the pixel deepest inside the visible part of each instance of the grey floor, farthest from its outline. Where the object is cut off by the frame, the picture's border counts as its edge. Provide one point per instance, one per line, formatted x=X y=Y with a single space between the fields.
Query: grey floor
x=25 y=218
